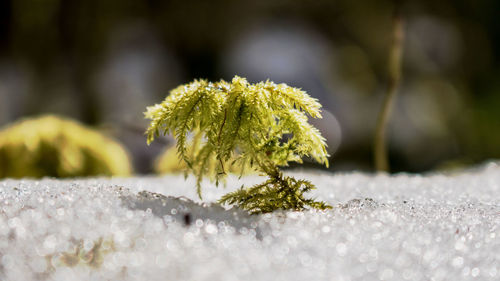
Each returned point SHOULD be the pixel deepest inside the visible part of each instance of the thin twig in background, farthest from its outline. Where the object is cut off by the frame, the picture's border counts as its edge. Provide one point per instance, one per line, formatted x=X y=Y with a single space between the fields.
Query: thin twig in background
x=395 y=53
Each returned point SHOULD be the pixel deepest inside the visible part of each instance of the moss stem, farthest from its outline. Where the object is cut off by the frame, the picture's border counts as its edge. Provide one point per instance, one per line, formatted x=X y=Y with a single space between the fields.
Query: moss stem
x=394 y=65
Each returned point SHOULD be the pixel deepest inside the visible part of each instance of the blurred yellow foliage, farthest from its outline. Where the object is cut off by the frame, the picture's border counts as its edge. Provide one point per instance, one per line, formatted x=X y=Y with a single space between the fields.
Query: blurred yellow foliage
x=57 y=147
x=170 y=162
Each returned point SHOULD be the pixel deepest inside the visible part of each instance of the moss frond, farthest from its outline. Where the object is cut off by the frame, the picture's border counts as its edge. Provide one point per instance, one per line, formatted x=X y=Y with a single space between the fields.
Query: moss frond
x=239 y=124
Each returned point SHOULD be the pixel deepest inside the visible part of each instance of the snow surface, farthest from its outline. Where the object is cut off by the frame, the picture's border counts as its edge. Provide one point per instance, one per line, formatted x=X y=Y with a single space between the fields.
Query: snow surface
x=402 y=227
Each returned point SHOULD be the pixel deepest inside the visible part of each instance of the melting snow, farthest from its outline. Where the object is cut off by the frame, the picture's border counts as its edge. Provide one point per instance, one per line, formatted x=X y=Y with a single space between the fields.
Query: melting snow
x=402 y=227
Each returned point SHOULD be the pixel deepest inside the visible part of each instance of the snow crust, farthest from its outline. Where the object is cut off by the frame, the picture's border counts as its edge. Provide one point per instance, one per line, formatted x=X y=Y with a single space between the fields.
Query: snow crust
x=402 y=227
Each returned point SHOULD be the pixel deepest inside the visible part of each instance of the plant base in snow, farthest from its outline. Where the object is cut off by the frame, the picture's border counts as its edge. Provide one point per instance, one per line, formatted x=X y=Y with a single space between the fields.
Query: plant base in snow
x=279 y=192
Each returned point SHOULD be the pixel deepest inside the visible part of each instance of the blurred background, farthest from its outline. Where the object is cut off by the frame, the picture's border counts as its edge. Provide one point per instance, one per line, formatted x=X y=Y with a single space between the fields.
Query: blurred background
x=103 y=62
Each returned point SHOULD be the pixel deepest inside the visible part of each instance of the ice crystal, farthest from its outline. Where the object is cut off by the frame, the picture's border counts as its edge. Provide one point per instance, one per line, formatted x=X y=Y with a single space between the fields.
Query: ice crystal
x=403 y=227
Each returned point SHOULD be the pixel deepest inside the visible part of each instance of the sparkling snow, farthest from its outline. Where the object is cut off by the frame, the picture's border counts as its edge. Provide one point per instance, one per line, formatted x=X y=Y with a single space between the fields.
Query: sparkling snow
x=402 y=227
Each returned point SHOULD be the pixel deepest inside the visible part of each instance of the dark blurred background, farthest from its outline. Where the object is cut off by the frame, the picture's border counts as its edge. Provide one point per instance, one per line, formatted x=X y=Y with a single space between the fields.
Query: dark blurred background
x=103 y=62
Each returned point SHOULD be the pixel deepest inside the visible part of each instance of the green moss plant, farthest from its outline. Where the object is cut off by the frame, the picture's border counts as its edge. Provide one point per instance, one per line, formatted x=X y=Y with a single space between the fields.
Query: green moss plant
x=259 y=126
x=51 y=146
